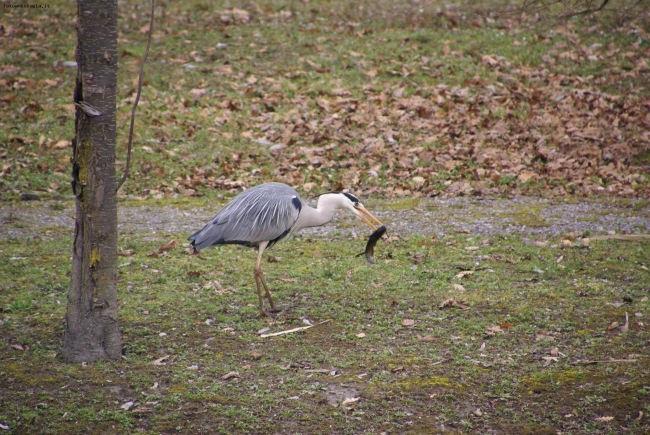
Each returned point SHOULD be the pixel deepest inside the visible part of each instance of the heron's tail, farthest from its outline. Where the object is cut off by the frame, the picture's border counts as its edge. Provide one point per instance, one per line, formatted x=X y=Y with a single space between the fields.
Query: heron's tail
x=192 y=240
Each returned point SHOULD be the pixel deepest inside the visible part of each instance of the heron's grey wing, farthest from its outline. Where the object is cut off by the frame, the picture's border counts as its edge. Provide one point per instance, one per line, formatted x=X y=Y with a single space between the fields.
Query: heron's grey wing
x=262 y=213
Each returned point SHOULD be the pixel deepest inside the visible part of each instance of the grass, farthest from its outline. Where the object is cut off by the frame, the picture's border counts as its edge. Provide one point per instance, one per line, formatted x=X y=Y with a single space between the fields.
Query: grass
x=433 y=374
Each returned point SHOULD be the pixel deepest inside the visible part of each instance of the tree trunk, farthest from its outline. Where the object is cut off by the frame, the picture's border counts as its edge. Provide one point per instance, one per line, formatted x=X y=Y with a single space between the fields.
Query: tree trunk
x=92 y=328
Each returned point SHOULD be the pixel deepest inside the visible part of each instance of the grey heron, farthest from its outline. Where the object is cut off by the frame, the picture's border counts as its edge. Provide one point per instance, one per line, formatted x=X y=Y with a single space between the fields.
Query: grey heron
x=263 y=215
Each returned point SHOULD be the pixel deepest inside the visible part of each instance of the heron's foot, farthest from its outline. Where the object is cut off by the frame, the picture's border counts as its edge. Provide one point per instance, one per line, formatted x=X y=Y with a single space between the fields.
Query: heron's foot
x=272 y=312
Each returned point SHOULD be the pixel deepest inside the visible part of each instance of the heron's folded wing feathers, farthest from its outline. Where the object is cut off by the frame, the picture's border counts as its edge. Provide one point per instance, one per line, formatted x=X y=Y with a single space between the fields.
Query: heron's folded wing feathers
x=263 y=213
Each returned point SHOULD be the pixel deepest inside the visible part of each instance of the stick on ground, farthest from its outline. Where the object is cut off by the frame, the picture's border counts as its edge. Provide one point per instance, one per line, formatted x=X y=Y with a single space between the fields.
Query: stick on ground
x=289 y=331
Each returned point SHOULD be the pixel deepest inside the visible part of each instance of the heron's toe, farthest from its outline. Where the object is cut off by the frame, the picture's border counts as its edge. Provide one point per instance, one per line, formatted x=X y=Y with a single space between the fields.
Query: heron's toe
x=272 y=312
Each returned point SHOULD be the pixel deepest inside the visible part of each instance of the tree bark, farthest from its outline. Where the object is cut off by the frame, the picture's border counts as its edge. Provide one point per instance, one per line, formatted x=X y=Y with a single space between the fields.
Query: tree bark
x=92 y=327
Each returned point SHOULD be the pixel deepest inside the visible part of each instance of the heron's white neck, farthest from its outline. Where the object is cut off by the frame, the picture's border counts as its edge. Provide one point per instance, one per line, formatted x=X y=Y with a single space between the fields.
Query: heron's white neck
x=322 y=214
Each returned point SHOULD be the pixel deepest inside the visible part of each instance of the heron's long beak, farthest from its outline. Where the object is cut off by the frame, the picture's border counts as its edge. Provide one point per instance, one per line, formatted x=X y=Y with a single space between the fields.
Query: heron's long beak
x=362 y=213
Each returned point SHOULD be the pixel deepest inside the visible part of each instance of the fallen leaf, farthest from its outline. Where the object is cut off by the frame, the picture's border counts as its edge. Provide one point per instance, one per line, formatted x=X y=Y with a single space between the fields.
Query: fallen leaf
x=548 y=359
x=22 y=347
x=361 y=335
x=446 y=303
x=255 y=355
x=62 y=144
x=198 y=93
x=493 y=330
x=454 y=303
x=349 y=400
x=458 y=287
x=613 y=325
x=126 y=252
x=126 y=406
x=464 y=273
x=230 y=375
x=169 y=246
x=526 y=176
x=160 y=361
x=554 y=352
x=408 y=322
x=607 y=418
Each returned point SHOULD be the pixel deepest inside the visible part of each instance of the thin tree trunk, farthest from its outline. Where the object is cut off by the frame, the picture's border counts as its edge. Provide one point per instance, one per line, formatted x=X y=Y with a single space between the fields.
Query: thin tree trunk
x=92 y=328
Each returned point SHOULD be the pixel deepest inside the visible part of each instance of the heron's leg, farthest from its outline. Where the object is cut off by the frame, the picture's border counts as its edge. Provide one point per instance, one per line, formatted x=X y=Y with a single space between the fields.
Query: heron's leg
x=259 y=292
x=268 y=294
x=259 y=276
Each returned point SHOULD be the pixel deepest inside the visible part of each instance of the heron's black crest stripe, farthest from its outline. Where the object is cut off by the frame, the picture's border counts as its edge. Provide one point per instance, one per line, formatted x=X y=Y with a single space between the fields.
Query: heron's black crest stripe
x=296 y=203
x=352 y=198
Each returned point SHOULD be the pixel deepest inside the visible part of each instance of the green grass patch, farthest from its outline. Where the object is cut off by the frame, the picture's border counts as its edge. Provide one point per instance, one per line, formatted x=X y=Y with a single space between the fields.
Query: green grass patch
x=427 y=370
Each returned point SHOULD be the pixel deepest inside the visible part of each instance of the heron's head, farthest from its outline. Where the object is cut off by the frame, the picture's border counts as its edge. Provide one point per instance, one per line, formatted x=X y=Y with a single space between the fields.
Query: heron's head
x=351 y=202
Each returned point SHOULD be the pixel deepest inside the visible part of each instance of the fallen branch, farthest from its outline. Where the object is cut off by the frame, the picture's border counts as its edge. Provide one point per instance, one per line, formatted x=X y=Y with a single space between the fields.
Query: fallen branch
x=621 y=237
x=289 y=331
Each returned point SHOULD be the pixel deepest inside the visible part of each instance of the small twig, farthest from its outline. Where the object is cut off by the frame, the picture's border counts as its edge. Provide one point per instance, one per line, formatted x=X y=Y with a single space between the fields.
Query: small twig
x=605 y=361
x=584 y=11
x=135 y=104
x=289 y=331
